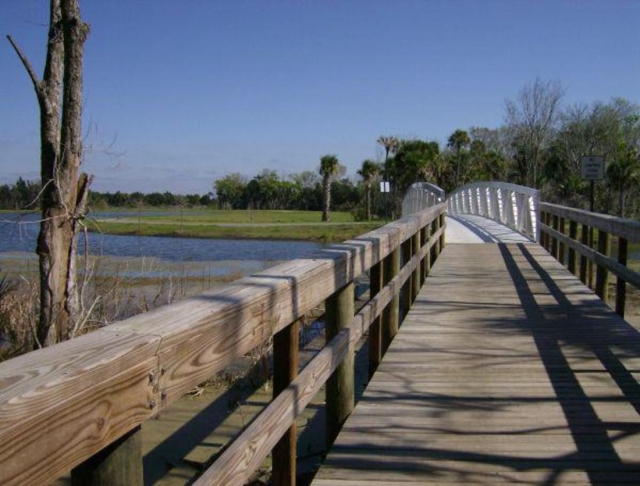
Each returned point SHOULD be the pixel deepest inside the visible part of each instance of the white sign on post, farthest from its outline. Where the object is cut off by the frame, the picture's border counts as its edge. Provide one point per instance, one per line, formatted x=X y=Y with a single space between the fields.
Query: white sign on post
x=592 y=168
x=384 y=186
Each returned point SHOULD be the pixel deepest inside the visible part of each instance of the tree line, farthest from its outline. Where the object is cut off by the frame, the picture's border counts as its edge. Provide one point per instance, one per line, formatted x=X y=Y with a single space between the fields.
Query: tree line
x=539 y=145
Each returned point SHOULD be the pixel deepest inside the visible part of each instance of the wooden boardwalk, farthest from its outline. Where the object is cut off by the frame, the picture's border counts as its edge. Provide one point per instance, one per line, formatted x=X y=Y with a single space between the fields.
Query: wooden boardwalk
x=506 y=370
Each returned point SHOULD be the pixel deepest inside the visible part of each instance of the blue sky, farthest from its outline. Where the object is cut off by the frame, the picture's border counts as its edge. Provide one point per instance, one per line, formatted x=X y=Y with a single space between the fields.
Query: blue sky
x=179 y=93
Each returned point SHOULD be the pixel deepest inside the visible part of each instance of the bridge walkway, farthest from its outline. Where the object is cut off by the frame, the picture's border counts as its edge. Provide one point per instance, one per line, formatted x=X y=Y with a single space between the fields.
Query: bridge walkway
x=506 y=370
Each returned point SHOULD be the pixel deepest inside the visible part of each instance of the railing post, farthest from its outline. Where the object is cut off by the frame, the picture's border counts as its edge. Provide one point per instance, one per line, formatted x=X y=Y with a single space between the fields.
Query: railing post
x=436 y=245
x=561 y=244
x=428 y=257
x=621 y=285
x=406 y=291
x=543 y=235
x=415 y=276
x=340 y=397
x=573 y=234
x=602 y=274
x=554 y=240
x=117 y=464
x=441 y=224
x=547 y=236
x=391 y=313
x=285 y=370
x=589 y=262
x=584 y=266
x=424 y=232
x=375 y=330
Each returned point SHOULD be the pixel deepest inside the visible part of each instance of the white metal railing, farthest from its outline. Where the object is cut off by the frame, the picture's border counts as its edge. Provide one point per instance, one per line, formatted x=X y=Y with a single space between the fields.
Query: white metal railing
x=420 y=196
x=510 y=204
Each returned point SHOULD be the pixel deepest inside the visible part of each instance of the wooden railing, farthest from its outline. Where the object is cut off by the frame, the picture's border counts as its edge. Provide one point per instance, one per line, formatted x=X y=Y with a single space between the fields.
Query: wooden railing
x=567 y=232
x=79 y=405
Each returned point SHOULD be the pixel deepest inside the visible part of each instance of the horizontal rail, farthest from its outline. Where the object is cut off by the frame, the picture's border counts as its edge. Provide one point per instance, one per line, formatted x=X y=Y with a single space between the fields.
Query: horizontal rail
x=581 y=240
x=236 y=464
x=611 y=264
x=509 y=204
x=621 y=227
x=61 y=405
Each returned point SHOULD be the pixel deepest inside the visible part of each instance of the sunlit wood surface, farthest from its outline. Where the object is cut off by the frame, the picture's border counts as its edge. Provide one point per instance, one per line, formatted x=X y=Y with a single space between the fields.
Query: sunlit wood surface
x=506 y=370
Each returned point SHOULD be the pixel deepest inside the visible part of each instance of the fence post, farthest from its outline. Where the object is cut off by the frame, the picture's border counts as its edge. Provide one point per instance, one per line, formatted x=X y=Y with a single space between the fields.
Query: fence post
x=117 y=464
x=285 y=370
x=428 y=257
x=415 y=286
x=406 y=291
x=542 y=218
x=573 y=234
x=375 y=330
x=554 y=240
x=391 y=313
x=441 y=224
x=340 y=397
x=602 y=274
x=561 y=244
x=423 y=262
x=621 y=285
x=584 y=266
x=589 y=262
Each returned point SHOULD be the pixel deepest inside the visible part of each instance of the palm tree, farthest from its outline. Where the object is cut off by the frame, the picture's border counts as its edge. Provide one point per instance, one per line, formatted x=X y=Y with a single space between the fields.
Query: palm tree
x=457 y=140
x=368 y=172
x=390 y=145
x=329 y=167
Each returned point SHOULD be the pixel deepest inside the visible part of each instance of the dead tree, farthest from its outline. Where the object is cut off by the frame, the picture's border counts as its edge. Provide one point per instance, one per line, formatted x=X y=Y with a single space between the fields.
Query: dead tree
x=65 y=191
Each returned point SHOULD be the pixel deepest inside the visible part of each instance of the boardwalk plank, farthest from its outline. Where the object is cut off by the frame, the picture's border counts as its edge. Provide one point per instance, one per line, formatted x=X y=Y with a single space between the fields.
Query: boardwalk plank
x=506 y=370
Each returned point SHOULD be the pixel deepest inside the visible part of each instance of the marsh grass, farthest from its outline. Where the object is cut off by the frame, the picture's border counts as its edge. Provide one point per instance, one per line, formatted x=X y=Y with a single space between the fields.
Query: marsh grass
x=111 y=290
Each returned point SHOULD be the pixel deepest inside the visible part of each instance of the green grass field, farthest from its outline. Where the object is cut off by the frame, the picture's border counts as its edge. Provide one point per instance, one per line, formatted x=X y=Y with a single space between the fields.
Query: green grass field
x=280 y=225
x=245 y=216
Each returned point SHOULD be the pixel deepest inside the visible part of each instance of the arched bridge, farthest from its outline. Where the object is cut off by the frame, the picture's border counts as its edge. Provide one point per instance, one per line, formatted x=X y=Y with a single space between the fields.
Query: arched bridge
x=495 y=362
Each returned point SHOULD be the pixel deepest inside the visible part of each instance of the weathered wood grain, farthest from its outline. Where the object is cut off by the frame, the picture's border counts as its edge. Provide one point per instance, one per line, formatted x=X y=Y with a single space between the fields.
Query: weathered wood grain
x=63 y=404
x=60 y=405
x=237 y=463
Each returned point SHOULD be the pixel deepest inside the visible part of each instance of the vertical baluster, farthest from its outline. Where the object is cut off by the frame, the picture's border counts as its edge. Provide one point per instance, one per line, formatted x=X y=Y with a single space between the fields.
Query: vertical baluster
x=117 y=464
x=285 y=370
x=621 y=285
x=584 y=266
x=340 y=397
x=554 y=240
x=573 y=234
x=375 y=330
x=406 y=291
x=561 y=244
x=415 y=286
x=391 y=313
x=602 y=273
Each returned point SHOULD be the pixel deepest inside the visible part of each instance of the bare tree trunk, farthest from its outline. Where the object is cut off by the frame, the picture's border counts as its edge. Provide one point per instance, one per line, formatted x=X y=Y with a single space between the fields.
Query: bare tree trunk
x=64 y=196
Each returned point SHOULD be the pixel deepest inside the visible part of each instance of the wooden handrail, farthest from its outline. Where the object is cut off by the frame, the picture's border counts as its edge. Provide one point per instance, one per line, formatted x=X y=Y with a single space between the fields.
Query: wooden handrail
x=554 y=239
x=61 y=405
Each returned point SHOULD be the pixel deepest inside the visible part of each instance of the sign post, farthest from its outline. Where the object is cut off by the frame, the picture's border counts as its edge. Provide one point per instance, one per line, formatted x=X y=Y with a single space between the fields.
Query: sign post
x=385 y=188
x=592 y=169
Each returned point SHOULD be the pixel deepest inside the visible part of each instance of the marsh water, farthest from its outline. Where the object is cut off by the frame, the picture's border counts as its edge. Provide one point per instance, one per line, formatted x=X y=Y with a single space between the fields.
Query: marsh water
x=18 y=235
